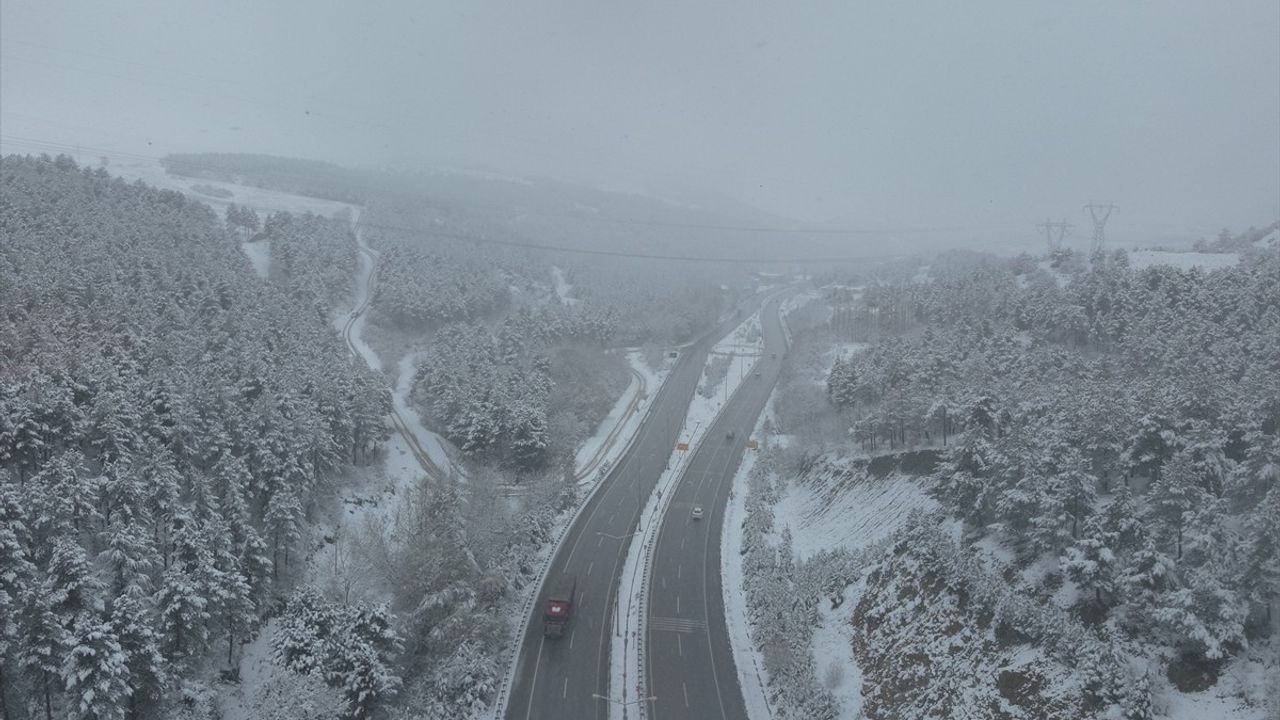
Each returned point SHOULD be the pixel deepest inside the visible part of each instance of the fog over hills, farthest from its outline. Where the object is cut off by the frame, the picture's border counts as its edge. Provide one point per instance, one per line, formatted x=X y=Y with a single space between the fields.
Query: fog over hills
x=422 y=360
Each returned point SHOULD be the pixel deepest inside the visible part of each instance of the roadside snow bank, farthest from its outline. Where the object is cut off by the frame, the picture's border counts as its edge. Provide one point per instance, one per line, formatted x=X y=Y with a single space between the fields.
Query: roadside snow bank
x=748 y=659
x=598 y=454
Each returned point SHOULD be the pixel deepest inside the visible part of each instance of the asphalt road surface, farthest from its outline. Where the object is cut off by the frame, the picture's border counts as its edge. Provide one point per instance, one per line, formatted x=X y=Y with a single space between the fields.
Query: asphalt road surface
x=559 y=678
x=689 y=662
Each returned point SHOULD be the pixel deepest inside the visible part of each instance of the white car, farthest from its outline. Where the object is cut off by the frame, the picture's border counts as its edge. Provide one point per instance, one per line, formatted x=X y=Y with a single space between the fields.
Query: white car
x=697 y=512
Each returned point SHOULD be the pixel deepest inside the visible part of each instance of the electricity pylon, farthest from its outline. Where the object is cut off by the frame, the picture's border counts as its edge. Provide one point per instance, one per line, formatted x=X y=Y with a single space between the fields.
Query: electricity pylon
x=1099 y=213
x=1054 y=239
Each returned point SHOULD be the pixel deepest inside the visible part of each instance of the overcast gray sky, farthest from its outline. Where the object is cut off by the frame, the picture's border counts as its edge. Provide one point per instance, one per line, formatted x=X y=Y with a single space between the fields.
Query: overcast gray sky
x=865 y=113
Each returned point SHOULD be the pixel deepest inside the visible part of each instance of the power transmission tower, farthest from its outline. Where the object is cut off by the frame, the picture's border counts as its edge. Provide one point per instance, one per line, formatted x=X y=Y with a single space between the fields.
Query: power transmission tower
x=1054 y=239
x=1099 y=213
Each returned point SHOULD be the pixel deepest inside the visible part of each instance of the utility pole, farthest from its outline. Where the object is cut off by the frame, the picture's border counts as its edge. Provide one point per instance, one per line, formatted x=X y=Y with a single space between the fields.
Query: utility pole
x=1052 y=238
x=1099 y=213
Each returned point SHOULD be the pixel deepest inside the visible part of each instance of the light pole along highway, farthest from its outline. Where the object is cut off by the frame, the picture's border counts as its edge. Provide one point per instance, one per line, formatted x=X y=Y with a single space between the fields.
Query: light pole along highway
x=689 y=666
x=568 y=677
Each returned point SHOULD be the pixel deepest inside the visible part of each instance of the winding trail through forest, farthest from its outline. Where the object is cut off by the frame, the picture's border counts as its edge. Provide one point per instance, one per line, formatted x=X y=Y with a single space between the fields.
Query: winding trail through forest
x=366 y=278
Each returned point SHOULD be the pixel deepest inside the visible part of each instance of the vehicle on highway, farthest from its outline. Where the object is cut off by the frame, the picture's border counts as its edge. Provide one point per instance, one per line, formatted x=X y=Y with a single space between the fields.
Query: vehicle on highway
x=757 y=373
x=559 y=605
x=728 y=435
x=774 y=356
x=697 y=512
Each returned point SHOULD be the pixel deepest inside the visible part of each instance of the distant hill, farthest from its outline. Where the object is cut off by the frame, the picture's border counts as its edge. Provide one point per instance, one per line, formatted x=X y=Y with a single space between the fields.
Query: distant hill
x=548 y=211
x=293 y=175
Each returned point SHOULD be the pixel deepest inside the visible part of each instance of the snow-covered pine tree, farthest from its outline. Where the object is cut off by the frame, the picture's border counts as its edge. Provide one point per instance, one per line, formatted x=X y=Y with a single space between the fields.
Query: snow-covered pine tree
x=1145 y=578
x=132 y=622
x=1172 y=499
x=1259 y=575
x=43 y=644
x=17 y=577
x=188 y=592
x=1091 y=562
x=130 y=557
x=963 y=480
x=284 y=513
x=95 y=672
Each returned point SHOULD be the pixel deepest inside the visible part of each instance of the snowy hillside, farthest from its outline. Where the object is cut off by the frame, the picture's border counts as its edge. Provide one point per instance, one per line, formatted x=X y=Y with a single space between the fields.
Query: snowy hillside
x=1139 y=259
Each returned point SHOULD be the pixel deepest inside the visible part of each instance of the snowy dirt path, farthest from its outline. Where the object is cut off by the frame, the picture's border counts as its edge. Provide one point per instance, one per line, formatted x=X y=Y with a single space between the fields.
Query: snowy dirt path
x=374 y=500
x=427 y=448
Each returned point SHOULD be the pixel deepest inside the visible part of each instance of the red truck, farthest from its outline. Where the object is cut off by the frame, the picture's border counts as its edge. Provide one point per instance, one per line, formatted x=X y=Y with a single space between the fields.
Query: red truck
x=559 y=605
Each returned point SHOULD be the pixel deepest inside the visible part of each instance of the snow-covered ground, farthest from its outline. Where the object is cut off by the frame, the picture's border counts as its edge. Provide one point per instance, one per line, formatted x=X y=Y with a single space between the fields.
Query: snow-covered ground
x=259 y=199
x=1063 y=279
x=1270 y=240
x=259 y=254
x=798 y=300
x=430 y=442
x=833 y=652
x=238 y=701
x=867 y=512
x=1176 y=705
x=745 y=342
x=1140 y=259
x=564 y=290
x=843 y=350
x=864 y=515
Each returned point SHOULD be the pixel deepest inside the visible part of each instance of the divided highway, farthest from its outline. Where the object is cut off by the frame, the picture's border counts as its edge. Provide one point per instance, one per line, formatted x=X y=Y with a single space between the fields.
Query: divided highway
x=568 y=677
x=688 y=660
